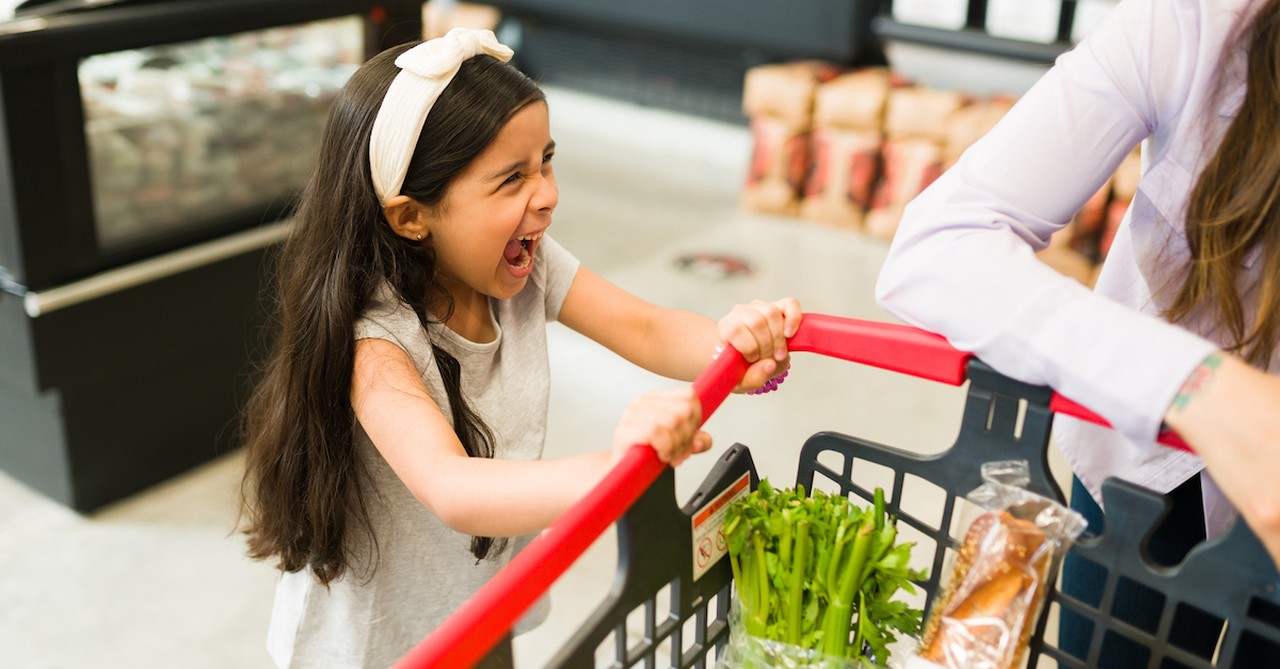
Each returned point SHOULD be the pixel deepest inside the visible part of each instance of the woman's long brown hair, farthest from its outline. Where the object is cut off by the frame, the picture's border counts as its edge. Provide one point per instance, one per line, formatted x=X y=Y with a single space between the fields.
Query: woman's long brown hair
x=304 y=490
x=1234 y=208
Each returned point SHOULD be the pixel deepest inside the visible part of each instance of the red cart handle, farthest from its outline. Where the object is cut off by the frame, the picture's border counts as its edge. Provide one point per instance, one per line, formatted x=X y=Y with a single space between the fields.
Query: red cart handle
x=470 y=633
x=901 y=348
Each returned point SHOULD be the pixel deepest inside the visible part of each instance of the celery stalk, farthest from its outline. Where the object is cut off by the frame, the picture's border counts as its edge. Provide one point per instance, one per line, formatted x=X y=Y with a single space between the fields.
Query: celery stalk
x=840 y=611
x=795 y=598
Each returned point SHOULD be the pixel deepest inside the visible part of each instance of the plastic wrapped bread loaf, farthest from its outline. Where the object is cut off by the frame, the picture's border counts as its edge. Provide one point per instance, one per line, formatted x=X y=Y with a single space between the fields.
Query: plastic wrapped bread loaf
x=995 y=593
x=989 y=607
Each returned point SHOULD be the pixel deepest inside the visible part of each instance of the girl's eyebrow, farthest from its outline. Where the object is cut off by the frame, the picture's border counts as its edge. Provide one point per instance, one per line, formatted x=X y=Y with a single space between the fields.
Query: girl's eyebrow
x=502 y=174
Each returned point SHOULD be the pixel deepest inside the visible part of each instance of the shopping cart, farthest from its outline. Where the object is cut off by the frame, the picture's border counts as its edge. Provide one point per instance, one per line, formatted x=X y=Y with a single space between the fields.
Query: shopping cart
x=671 y=573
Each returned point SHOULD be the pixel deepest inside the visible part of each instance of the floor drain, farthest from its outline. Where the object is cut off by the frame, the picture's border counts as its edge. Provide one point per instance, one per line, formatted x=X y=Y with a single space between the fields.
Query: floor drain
x=715 y=266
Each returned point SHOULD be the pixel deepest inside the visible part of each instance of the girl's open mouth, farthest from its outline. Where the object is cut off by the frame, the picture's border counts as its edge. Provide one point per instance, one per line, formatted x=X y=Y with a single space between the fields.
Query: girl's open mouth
x=519 y=251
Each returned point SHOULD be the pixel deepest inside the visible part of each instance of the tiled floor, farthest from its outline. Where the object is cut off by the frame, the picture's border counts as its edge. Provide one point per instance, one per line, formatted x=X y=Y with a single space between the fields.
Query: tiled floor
x=160 y=579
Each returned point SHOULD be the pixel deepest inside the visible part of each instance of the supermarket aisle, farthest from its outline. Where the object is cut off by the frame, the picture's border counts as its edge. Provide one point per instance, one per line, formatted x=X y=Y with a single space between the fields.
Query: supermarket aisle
x=160 y=579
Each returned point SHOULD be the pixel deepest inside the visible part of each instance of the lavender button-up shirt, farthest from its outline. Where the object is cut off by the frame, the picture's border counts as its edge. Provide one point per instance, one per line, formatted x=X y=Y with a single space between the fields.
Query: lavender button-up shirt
x=963 y=265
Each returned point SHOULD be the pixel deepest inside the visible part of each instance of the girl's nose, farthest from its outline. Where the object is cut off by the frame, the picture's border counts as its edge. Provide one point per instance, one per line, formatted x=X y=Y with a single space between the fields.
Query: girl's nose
x=547 y=196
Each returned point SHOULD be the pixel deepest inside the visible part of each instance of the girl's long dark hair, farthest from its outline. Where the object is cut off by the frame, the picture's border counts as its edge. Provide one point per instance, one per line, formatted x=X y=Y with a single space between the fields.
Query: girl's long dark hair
x=304 y=489
x=1234 y=207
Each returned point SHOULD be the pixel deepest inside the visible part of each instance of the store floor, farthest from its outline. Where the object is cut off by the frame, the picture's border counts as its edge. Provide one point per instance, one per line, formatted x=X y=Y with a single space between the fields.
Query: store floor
x=161 y=580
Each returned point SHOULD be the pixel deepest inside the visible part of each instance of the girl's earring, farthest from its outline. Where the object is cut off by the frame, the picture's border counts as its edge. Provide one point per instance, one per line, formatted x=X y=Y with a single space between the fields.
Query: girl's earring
x=419 y=236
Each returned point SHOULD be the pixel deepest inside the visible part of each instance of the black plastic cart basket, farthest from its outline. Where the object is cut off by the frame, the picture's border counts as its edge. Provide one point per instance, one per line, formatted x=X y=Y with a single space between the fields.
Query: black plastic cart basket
x=669 y=550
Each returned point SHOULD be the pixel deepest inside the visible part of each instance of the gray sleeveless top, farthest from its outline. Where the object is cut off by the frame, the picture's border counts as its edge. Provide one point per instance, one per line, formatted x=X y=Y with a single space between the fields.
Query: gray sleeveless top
x=424 y=570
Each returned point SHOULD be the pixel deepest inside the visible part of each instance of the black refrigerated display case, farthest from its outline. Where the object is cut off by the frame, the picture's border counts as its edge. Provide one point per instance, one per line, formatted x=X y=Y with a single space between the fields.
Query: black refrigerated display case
x=150 y=152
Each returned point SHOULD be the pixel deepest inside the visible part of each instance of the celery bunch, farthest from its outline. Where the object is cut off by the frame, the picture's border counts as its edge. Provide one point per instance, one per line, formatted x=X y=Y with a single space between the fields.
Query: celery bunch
x=820 y=573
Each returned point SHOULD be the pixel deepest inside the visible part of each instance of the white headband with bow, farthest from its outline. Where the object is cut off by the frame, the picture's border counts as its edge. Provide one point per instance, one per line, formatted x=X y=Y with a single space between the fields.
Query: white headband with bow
x=425 y=71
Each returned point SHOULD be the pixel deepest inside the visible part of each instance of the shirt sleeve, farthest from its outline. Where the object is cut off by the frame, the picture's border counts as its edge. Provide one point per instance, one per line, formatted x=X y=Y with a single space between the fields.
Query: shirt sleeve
x=962 y=263
x=559 y=267
x=389 y=319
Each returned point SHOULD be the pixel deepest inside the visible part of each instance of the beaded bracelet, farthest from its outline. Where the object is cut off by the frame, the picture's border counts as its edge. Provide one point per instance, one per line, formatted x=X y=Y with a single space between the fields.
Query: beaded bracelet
x=770 y=385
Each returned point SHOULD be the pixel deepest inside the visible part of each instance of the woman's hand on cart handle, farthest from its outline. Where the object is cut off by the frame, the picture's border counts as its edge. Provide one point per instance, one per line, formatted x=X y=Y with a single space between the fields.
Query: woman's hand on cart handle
x=1229 y=412
x=759 y=331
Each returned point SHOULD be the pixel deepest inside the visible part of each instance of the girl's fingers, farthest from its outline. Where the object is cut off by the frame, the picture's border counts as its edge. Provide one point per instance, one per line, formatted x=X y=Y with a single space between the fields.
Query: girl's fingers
x=760 y=329
x=667 y=420
x=769 y=329
x=745 y=329
x=759 y=372
x=792 y=315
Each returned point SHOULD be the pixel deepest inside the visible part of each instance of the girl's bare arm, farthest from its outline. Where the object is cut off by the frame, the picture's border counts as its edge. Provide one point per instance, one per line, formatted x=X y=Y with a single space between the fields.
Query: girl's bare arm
x=495 y=497
x=676 y=343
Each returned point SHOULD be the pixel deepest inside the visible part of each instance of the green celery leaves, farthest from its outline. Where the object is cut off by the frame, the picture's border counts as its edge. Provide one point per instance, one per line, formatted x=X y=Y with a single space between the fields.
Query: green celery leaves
x=820 y=573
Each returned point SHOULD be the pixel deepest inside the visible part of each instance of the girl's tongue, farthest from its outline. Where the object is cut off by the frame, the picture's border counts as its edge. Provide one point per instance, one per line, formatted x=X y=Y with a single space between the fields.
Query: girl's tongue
x=513 y=250
x=517 y=254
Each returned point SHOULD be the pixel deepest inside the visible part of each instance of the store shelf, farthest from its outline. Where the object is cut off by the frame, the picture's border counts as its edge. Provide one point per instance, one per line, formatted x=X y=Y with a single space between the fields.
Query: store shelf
x=970 y=40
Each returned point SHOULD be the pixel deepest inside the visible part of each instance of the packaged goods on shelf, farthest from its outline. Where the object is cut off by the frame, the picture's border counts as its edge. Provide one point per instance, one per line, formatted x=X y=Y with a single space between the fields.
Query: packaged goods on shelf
x=779 y=160
x=921 y=112
x=915 y=135
x=848 y=118
x=778 y=100
x=1124 y=187
x=1087 y=225
x=969 y=123
x=909 y=165
x=851 y=148
x=842 y=176
x=785 y=91
x=855 y=100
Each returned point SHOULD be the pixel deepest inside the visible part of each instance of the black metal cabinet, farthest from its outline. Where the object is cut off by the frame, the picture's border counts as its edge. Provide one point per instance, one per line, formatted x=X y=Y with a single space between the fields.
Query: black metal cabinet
x=149 y=155
x=107 y=396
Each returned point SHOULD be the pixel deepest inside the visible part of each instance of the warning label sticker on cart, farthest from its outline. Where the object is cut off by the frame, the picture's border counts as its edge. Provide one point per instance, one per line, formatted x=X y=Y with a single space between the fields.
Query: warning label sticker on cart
x=709 y=544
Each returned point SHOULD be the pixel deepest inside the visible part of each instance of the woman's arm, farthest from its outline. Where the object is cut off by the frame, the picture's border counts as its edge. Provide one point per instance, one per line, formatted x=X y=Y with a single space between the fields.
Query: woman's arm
x=1229 y=413
x=962 y=263
x=496 y=497
x=675 y=343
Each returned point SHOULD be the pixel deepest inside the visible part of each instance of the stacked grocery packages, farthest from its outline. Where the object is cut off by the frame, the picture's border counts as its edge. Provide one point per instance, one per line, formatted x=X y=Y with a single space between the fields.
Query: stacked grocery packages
x=849 y=147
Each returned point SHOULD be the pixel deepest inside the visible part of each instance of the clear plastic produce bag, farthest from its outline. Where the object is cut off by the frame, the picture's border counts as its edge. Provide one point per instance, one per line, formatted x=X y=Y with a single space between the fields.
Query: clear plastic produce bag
x=745 y=651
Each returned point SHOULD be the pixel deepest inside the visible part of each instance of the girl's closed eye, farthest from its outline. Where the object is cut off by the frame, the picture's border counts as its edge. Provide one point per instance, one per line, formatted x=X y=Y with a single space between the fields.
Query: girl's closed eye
x=517 y=176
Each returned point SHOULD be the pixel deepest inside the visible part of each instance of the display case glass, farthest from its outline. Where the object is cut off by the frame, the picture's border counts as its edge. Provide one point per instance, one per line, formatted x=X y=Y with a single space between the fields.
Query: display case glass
x=180 y=134
x=138 y=128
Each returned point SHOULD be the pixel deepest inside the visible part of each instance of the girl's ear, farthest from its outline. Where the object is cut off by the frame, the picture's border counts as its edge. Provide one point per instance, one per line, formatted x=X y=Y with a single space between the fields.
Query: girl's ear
x=407 y=218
